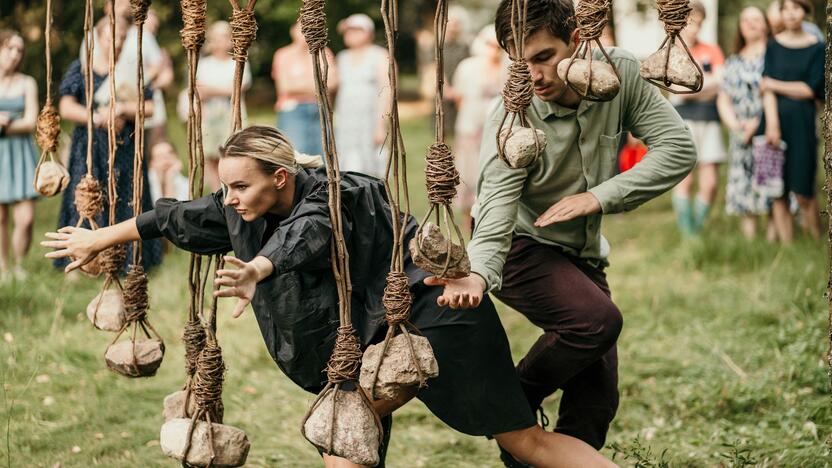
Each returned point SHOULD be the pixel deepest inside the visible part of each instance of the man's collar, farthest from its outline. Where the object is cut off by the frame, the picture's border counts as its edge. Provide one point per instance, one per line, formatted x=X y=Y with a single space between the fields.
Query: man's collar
x=548 y=109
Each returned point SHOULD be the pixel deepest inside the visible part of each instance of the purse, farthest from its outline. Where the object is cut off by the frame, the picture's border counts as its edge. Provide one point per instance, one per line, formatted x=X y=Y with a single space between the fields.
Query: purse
x=767 y=175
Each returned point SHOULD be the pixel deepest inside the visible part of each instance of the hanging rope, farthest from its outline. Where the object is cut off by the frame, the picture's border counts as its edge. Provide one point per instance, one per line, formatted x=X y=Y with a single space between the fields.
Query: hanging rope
x=518 y=90
x=597 y=83
x=441 y=179
x=243 y=33
x=674 y=14
x=54 y=177
x=345 y=363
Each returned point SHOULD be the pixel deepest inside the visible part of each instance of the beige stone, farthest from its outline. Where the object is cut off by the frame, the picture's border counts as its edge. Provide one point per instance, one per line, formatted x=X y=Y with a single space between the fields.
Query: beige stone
x=174 y=406
x=355 y=435
x=52 y=179
x=434 y=251
x=605 y=83
x=520 y=148
x=149 y=354
x=397 y=371
x=230 y=448
x=681 y=70
x=106 y=310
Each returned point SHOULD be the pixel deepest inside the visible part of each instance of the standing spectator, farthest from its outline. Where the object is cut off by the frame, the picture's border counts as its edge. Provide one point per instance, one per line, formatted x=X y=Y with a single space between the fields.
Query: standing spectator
x=775 y=20
x=700 y=113
x=792 y=80
x=18 y=156
x=740 y=107
x=215 y=84
x=456 y=50
x=160 y=77
x=478 y=80
x=72 y=107
x=363 y=98
x=165 y=173
x=297 y=106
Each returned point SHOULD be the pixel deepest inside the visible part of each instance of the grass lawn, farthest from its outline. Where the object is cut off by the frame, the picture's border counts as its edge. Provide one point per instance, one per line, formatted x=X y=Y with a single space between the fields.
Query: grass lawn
x=721 y=359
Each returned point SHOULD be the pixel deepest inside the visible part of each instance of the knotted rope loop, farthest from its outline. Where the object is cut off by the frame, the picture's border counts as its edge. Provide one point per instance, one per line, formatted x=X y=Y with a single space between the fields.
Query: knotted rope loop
x=345 y=363
x=112 y=259
x=591 y=16
x=89 y=199
x=139 y=9
x=208 y=380
x=397 y=299
x=48 y=128
x=674 y=15
x=135 y=294
x=193 y=19
x=194 y=338
x=518 y=90
x=313 y=25
x=243 y=33
x=441 y=175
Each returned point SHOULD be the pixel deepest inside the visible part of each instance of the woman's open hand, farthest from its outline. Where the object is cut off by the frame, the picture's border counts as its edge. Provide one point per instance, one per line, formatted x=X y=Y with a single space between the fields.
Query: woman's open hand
x=242 y=282
x=79 y=244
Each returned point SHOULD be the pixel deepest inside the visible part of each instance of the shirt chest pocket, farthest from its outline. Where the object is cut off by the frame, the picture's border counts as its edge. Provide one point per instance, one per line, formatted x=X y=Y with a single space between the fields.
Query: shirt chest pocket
x=607 y=156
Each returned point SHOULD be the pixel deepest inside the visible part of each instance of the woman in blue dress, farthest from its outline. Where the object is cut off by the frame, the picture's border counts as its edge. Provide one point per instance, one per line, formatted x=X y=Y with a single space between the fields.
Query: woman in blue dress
x=72 y=107
x=792 y=82
x=740 y=106
x=18 y=156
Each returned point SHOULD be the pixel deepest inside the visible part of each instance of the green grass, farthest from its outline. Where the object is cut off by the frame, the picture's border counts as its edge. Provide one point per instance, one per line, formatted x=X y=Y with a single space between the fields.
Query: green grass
x=721 y=359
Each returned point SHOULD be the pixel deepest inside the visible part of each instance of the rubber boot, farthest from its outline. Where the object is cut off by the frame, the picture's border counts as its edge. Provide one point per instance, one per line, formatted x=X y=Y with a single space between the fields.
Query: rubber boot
x=701 y=208
x=684 y=214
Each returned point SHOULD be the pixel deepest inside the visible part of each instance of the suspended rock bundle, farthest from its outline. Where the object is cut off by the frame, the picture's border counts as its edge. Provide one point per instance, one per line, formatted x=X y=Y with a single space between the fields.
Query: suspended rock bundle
x=673 y=65
x=591 y=79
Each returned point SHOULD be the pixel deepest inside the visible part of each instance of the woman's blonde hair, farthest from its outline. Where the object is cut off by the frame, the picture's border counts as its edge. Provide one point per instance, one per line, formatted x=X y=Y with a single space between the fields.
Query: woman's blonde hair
x=269 y=147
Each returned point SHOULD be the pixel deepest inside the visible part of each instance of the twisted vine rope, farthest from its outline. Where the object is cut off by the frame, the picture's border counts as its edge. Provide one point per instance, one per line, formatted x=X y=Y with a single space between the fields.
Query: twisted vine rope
x=243 y=32
x=591 y=18
x=345 y=363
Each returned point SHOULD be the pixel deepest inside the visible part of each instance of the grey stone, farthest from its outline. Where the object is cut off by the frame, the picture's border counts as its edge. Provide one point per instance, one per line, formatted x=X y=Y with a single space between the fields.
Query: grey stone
x=355 y=435
x=230 y=448
x=106 y=310
x=520 y=148
x=434 y=251
x=681 y=70
x=174 y=406
x=397 y=371
x=52 y=179
x=605 y=83
x=149 y=354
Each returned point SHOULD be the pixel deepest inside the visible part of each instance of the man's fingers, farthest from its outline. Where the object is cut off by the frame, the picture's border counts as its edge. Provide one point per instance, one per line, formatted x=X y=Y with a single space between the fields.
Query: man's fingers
x=434 y=281
x=442 y=301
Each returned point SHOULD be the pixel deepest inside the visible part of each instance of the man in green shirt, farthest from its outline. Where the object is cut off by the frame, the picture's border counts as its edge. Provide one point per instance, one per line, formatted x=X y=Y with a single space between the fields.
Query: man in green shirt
x=537 y=244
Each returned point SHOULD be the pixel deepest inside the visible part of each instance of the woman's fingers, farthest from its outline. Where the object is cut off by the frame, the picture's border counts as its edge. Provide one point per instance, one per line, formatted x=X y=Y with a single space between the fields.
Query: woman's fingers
x=227 y=292
x=225 y=281
x=229 y=273
x=53 y=244
x=240 y=307
x=75 y=264
x=234 y=261
x=67 y=229
x=57 y=235
x=58 y=254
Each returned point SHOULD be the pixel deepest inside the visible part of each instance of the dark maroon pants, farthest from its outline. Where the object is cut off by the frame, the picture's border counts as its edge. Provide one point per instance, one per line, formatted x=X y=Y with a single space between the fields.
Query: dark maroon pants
x=570 y=300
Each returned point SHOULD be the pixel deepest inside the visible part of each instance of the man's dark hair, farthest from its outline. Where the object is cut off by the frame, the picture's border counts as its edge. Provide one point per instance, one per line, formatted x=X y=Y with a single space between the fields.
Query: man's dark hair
x=557 y=16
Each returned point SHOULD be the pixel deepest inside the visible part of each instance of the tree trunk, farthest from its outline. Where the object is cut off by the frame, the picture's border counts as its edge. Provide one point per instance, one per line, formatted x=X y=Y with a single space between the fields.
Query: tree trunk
x=827 y=163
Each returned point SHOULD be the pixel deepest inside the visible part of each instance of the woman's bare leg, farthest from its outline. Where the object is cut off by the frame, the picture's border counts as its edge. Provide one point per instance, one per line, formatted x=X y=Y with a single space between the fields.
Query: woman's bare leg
x=542 y=449
x=782 y=218
x=4 y=238
x=748 y=226
x=24 y=219
x=708 y=177
x=810 y=214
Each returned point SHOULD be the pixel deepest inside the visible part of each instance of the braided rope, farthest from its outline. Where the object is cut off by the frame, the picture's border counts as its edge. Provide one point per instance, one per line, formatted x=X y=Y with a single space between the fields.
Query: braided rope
x=48 y=127
x=397 y=299
x=112 y=259
x=518 y=90
x=193 y=336
x=193 y=19
x=591 y=17
x=313 y=25
x=441 y=174
x=135 y=294
x=89 y=200
x=139 y=9
x=345 y=363
x=208 y=380
x=674 y=15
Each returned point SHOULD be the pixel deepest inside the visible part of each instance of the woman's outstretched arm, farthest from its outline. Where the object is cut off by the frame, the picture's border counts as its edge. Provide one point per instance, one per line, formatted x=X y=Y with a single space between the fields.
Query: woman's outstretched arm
x=82 y=245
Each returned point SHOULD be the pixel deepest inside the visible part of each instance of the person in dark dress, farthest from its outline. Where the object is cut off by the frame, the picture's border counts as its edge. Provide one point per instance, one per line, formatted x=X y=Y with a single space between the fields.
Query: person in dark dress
x=792 y=81
x=72 y=107
x=273 y=213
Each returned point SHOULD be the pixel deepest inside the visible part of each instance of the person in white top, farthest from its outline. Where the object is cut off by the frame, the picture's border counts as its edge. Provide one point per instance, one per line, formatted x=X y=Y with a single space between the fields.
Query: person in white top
x=215 y=84
x=363 y=98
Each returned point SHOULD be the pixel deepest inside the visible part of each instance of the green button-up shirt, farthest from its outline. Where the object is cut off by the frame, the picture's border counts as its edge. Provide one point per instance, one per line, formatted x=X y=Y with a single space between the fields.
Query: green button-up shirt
x=581 y=155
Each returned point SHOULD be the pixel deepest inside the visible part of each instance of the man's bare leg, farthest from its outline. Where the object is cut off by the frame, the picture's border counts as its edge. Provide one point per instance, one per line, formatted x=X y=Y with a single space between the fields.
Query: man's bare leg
x=542 y=449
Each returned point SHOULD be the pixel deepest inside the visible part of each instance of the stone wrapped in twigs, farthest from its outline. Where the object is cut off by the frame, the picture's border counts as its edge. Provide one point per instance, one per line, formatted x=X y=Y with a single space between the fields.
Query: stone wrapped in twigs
x=605 y=83
x=148 y=357
x=51 y=179
x=355 y=435
x=520 y=148
x=397 y=371
x=433 y=251
x=230 y=448
x=174 y=405
x=106 y=310
x=93 y=267
x=681 y=70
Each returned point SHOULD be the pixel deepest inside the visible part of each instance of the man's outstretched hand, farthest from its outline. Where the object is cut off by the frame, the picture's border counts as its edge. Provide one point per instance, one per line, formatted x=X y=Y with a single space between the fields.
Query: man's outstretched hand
x=462 y=293
x=569 y=208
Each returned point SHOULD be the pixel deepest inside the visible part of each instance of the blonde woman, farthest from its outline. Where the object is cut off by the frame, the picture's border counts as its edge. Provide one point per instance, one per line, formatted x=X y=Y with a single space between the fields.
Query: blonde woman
x=273 y=213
